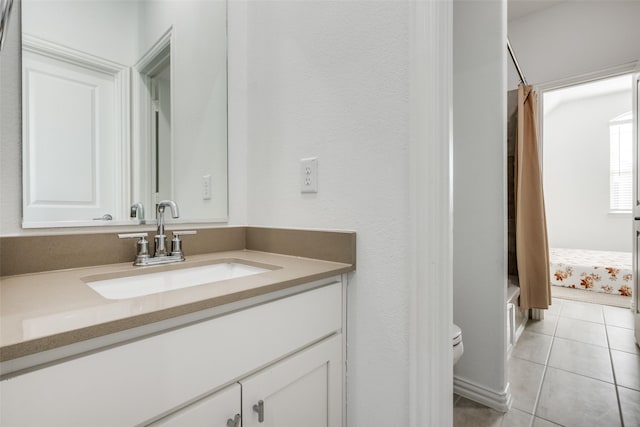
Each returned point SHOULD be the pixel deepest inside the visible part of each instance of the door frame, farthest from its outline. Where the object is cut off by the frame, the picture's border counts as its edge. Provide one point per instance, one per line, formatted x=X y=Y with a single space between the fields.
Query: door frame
x=142 y=188
x=618 y=70
x=635 y=300
x=627 y=68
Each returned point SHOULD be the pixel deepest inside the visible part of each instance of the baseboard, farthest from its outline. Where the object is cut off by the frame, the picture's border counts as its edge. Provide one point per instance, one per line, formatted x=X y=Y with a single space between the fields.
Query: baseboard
x=500 y=401
x=520 y=330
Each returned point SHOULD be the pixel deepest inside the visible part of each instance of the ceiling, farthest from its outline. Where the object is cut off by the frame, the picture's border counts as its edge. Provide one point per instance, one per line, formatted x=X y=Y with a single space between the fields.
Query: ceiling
x=518 y=8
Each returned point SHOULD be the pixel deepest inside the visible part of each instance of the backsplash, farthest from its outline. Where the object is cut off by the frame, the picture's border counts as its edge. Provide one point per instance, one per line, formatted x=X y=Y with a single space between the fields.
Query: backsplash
x=32 y=254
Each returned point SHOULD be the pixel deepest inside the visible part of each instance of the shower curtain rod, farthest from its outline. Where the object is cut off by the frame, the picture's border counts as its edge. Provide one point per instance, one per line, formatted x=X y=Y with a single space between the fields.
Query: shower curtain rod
x=515 y=62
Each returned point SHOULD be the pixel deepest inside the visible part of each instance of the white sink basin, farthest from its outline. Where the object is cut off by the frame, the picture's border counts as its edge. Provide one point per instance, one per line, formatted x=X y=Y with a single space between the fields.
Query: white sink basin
x=153 y=283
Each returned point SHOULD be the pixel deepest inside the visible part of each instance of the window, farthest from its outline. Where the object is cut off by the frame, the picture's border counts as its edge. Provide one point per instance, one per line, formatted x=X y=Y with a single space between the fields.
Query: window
x=621 y=163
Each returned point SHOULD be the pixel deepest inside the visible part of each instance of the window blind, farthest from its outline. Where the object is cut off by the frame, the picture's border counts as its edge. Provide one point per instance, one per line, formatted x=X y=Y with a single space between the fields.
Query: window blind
x=620 y=166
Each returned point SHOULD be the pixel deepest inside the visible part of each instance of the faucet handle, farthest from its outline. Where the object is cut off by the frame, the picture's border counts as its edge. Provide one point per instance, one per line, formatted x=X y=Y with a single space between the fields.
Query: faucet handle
x=176 y=243
x=142 y=252
x=184 y=232
x=133 y=235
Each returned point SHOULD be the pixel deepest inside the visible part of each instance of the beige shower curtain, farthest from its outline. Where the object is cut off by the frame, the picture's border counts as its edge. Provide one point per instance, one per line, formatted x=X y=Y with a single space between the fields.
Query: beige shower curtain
x=532 y=247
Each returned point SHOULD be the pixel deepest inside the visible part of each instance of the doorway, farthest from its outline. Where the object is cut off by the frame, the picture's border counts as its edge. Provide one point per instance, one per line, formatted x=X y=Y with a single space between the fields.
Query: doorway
x=160 y=91
x=153 y=111
x=587 y=134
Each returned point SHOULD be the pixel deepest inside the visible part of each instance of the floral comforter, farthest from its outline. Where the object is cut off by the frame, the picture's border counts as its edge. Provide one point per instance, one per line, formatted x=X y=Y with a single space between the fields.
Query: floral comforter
x=598 y=271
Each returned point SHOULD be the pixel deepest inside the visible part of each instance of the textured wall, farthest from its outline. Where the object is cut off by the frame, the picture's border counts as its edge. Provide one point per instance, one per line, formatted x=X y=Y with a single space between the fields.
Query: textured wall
x=330 y=79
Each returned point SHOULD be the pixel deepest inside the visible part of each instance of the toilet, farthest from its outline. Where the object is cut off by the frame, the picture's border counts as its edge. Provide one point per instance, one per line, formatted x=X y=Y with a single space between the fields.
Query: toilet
x=456 y=333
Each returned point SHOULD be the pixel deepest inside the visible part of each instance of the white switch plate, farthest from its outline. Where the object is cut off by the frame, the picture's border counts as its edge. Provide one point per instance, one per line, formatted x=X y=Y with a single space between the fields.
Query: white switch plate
x=309 y=175
x=206 y=187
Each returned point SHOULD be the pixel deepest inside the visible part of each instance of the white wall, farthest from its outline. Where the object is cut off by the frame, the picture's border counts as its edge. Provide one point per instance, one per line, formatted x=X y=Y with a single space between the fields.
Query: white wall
x=574 y=38
x=105 y=29
x=480 y=212
x=576 y=175
x=199 y=98
x=330 y=79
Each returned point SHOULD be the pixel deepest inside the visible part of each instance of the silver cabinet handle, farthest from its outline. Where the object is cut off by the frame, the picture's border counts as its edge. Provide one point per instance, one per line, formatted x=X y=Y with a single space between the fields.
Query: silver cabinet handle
x=259 y=408
x=235 y=422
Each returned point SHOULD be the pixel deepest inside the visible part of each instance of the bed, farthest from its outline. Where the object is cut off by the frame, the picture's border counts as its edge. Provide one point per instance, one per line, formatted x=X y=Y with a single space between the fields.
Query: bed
x=597 y=271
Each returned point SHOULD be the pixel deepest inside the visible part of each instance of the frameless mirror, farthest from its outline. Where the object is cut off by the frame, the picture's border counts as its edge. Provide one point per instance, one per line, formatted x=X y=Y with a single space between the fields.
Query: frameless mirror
x=124 y=102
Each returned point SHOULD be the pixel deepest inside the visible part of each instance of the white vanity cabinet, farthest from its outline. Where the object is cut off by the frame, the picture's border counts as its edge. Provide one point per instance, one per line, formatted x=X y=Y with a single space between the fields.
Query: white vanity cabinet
x=210 y=411
x=287 y=353
x=302 y=390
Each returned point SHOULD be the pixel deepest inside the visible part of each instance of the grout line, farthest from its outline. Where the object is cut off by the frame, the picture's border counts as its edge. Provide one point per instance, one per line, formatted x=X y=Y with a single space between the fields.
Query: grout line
x=529 y=360
x=613 y=371
x=544 y=375
x=609 y=350
x=546 y=364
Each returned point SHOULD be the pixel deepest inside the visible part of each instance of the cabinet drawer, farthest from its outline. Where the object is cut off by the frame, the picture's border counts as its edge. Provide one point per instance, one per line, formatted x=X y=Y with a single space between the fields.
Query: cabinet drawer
x=133 y=383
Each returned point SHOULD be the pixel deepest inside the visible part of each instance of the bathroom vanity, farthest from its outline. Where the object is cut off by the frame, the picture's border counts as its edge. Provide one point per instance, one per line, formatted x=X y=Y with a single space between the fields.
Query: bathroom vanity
x=265 y=349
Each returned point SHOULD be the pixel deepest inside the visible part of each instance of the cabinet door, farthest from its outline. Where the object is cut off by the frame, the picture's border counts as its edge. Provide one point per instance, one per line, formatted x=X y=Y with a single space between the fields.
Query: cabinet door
x=302 y=390
x=215 y=410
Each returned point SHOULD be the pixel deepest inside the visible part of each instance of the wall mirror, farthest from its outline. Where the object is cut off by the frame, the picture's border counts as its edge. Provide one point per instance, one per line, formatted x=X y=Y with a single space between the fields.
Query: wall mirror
x=124 y=102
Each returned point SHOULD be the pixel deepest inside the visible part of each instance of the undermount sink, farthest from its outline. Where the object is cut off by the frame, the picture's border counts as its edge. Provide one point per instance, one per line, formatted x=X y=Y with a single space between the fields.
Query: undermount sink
x=163 y=281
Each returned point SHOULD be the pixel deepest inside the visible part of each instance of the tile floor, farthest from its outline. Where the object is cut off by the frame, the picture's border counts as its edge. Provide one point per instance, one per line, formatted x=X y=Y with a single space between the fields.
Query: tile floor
x=579 y=366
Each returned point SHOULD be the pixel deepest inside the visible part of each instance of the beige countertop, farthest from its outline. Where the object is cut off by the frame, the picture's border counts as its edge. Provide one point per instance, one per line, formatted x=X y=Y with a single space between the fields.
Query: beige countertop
x=47 y=310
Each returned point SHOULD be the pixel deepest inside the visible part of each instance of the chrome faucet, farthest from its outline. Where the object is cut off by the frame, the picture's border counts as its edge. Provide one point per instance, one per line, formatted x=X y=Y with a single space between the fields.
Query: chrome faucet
x=137 y=211
x=161 y=255
x=161 y=238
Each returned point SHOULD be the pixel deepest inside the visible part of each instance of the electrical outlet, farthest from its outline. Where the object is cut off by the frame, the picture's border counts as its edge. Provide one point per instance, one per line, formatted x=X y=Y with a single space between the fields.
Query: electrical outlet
x=206 y=187
x=309 y=175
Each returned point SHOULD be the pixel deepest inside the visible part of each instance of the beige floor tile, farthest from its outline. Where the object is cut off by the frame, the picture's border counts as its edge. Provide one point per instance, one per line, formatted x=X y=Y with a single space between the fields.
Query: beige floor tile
x=583 y=311
x=630 y=405
x=533 y=347
x=616 y=316
x=516 y=418
x=540 y=422
x=581 y=330
x=573 y=400
x=546 y=326
x=525 y=378
x=467 y=413
x=622 y=339
x=580 y=358
x=556 y=307
x=627 y=369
